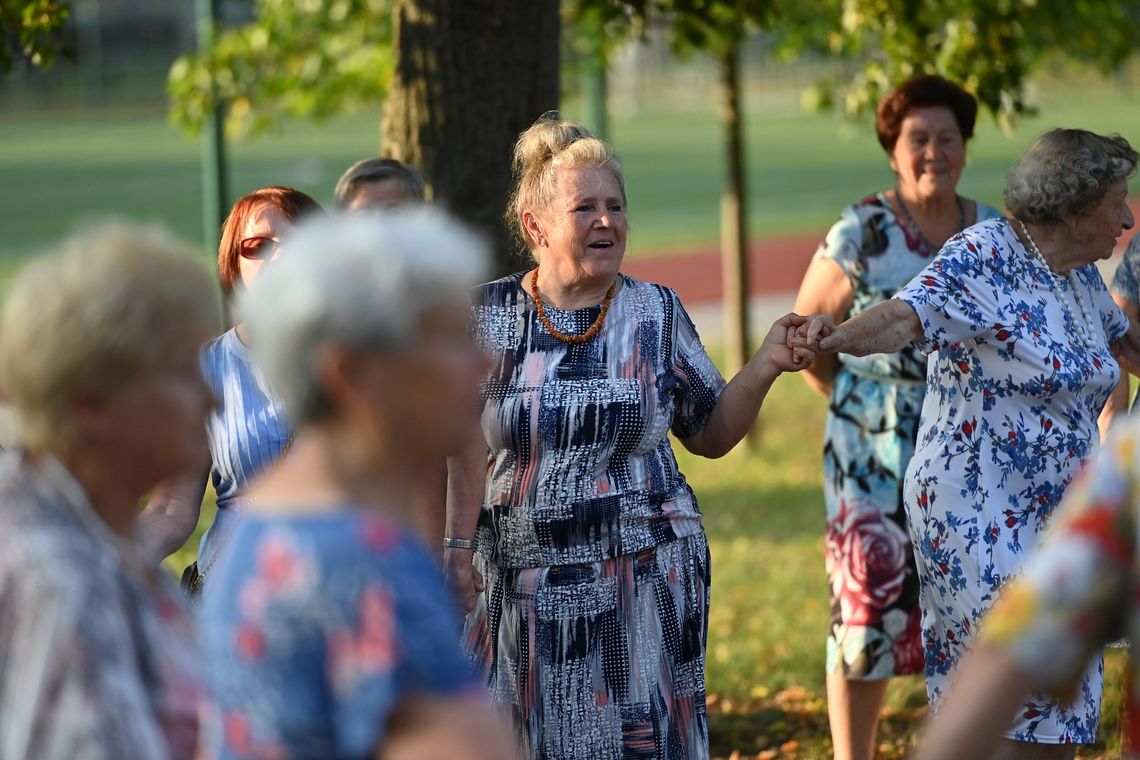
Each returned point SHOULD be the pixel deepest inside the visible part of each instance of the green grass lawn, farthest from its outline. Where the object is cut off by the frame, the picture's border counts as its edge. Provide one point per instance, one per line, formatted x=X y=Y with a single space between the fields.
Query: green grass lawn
x=57 y=169
x=765 y=518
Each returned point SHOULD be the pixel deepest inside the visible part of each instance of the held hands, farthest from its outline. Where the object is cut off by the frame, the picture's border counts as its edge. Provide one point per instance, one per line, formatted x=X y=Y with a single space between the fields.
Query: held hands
x=816 y=333
x=794 y=340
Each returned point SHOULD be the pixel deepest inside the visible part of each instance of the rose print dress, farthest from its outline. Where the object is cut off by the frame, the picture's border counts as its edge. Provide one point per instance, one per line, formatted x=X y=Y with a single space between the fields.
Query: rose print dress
x=1010 y=415
x=871 y=426
x=318 y=628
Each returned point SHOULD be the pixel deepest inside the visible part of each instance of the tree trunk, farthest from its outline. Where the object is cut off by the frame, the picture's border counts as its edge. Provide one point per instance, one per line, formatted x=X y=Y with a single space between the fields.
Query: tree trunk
x=734 y=224
x=470 y=76
x=733 y=221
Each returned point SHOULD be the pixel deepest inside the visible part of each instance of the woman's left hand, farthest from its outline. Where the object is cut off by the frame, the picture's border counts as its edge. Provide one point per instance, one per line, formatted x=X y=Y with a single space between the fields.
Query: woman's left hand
x=781 y=349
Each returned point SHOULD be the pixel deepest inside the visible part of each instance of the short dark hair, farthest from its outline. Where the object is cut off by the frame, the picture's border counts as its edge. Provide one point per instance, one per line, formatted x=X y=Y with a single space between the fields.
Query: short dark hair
x=292 y=203
x=378 y=170
x=924 y=91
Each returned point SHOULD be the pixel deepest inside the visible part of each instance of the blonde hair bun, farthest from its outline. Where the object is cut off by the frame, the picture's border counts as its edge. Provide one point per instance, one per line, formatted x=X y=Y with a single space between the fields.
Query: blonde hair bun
x=552 y=143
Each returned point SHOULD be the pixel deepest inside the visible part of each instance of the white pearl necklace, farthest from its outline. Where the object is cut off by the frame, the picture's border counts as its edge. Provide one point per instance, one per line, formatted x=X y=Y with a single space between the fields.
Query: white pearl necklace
x=1083 y=326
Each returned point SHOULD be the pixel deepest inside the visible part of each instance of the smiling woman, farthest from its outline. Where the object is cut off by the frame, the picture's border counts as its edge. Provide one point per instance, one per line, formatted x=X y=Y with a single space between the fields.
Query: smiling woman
x=249 y=429
x=590 y=603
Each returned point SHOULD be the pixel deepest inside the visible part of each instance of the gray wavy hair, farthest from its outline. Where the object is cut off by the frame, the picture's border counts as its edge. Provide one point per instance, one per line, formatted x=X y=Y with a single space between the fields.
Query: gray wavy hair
x=361 y=282
x=1066 y=172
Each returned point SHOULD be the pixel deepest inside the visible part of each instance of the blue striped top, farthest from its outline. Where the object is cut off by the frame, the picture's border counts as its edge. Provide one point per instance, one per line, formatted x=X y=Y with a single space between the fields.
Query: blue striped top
x=247 y=431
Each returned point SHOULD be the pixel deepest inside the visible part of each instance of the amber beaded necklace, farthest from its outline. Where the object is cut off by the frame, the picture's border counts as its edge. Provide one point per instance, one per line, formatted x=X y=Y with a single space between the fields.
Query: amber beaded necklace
x=574 y=340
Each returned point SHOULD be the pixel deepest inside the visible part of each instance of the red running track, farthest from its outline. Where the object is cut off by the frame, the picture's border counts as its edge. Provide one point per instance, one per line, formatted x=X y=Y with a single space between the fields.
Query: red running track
x=775 y=265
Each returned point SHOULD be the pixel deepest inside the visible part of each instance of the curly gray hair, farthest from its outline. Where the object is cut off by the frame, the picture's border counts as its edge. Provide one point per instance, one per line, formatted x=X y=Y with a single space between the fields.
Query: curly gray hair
x=1066 y=172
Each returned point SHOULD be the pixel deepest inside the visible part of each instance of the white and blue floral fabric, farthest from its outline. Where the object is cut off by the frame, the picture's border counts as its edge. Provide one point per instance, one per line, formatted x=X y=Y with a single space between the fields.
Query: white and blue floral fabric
x=1010 y=415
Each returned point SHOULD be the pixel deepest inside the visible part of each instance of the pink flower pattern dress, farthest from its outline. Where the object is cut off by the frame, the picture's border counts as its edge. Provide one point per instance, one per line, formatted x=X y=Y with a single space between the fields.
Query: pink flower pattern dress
x=315 y=630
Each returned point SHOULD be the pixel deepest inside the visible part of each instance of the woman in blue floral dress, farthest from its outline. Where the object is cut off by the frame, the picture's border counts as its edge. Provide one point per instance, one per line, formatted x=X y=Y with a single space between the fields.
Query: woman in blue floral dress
x=1021 y=334
x=874 y=249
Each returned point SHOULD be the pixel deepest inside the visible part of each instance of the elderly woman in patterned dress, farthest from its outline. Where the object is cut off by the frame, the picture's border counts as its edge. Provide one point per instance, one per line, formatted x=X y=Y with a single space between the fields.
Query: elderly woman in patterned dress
x=1022 y=336
x=874 y=249
x=99 y=357
x=591 y=596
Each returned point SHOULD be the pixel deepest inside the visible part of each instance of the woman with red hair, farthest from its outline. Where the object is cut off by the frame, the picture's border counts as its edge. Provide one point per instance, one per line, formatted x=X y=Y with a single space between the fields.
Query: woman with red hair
x=248 y=430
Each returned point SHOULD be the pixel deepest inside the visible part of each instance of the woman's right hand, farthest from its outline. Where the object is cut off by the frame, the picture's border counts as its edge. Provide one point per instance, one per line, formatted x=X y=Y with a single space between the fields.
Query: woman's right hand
x=465 y=581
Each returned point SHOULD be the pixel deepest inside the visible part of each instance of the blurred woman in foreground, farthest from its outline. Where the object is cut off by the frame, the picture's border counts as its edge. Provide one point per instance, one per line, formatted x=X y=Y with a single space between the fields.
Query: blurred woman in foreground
x=326 y=626
x=99 y=358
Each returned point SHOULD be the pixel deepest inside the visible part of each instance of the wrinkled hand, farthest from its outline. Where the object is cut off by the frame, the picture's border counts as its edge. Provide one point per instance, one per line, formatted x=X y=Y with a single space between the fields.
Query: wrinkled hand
x=465 y=581
x=779 y=346
x=818 y=333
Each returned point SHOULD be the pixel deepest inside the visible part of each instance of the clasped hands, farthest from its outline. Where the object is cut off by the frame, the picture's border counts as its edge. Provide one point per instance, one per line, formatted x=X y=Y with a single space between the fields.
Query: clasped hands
x=795 y=340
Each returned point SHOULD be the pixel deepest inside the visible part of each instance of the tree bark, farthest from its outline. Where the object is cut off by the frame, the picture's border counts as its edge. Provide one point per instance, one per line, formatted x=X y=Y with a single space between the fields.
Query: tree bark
x=470 y=75
x=734 y=224
x=733 y=220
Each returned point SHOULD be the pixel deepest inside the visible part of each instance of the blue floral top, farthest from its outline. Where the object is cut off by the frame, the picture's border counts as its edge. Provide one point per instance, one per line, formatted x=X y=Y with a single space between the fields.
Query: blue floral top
x=1010 y=416
x=318 y=628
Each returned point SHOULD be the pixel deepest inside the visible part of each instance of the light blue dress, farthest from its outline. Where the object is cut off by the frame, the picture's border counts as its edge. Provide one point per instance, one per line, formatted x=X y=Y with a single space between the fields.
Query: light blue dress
x=1126 y=280
x=248 y=431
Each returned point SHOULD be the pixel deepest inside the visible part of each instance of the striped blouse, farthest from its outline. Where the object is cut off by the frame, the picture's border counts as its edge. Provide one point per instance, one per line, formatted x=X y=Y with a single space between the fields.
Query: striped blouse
x=248 y=430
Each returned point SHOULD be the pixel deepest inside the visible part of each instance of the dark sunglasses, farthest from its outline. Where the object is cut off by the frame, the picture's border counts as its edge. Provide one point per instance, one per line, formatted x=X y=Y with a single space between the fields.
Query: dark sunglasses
x=258 y=248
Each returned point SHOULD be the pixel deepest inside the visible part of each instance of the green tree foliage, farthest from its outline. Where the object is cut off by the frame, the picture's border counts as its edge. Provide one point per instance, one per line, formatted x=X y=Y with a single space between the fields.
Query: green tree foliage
x=692 y=25
x=312 y=58
x=31 y=29
x=992 y=47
